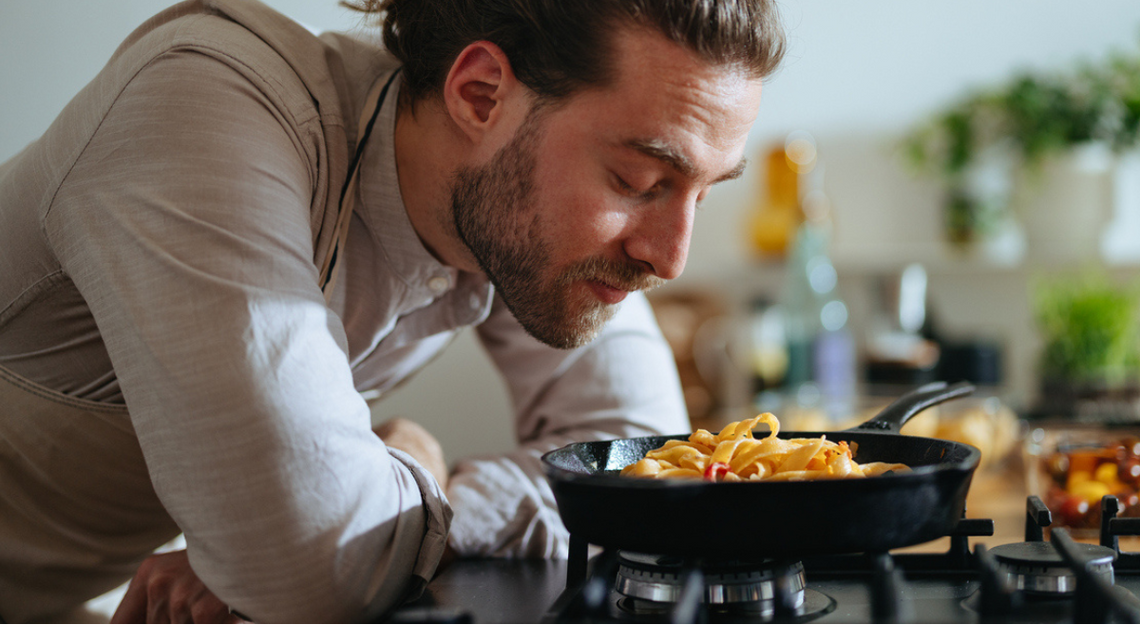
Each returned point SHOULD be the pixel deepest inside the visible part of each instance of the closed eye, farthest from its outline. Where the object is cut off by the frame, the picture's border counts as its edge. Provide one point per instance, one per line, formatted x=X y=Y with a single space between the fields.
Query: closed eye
x=631 y=191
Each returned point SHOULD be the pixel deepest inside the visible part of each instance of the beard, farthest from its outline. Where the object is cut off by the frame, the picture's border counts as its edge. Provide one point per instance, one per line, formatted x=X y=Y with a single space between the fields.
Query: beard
x=495 y=215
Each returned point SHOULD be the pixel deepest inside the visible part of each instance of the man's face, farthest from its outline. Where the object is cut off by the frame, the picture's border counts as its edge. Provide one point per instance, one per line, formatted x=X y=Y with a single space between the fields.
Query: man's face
x=595 y=198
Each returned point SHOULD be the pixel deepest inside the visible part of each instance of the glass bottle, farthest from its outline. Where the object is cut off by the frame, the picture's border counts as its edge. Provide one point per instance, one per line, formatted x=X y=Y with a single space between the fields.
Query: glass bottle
x=821 y=369
x=773 y=222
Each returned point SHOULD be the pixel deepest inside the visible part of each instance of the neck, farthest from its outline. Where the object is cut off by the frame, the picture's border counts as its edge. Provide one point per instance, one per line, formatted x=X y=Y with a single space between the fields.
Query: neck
x=427 y=155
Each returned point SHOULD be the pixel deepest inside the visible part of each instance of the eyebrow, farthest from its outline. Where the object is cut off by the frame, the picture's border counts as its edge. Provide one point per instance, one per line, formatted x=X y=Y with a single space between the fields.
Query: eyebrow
x=678 y=161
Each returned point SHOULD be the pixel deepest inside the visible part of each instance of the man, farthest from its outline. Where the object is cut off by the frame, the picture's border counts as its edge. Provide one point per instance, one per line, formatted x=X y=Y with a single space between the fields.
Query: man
x=237 y=226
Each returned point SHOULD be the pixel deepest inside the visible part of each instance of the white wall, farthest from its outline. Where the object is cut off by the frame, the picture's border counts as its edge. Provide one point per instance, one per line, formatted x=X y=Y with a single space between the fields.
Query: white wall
x=50 y=50
x=858 y=74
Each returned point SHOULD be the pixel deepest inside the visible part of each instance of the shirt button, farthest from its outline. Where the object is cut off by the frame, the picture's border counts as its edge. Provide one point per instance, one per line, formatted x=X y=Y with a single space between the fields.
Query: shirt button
x=439 y=284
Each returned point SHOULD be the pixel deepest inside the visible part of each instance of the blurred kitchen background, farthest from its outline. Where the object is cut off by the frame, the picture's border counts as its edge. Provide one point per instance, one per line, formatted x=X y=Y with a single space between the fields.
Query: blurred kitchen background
x=934 y=191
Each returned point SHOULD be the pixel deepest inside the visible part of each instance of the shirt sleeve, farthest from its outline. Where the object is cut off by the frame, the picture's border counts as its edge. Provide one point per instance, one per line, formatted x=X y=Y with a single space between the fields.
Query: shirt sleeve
x=622 y=385
x=185 y=225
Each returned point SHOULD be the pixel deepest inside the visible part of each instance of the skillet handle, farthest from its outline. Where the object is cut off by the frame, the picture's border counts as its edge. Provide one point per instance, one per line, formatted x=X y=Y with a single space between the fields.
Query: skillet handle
x=902 y=410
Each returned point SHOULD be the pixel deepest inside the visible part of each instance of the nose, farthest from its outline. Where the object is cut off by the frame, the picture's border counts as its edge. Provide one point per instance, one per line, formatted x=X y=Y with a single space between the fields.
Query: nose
x=660 y=238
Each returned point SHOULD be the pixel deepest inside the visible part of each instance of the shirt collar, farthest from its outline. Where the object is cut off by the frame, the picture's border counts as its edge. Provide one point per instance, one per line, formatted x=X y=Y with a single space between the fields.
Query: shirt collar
x=381 y=208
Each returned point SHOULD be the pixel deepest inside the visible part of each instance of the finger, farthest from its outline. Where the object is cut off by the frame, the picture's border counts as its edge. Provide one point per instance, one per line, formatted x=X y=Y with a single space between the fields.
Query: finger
x=158 y=598
x=132 y=609
x=186 y=596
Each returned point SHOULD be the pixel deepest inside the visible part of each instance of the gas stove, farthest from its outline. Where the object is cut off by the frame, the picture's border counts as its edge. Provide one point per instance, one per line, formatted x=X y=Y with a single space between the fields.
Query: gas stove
x=1030 y=581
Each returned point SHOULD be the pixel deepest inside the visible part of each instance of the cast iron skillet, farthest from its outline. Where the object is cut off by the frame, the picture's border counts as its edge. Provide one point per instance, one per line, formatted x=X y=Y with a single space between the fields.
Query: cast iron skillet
x=789 y=519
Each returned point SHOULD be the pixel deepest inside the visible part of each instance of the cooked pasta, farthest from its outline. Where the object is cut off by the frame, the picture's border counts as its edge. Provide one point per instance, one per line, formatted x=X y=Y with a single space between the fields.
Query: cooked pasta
x=734 y=455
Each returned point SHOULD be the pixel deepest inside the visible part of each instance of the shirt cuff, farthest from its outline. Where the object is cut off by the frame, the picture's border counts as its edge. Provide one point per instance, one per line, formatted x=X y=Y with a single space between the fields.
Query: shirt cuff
x=437 y=522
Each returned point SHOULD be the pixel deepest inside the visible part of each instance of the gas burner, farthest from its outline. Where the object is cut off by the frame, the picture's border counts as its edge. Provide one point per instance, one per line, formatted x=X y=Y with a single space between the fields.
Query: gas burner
x=1037 y=568
x=660 y=579
x=653 y=586
x=815 y=605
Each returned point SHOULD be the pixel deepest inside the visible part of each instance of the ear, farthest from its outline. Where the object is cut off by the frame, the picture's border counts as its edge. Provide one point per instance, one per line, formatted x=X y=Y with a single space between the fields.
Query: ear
x=478 y=87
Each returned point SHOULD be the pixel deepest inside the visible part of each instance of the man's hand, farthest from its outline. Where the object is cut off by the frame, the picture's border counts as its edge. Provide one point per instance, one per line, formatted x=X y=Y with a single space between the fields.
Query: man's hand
x=166 y=590
x=410 y=438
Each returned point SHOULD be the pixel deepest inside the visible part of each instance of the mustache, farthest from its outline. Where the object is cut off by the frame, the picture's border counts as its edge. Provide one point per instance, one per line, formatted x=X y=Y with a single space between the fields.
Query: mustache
x=620 y=275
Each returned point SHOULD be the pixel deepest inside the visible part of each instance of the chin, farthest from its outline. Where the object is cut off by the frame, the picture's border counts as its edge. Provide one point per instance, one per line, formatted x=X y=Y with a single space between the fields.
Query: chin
x=565 y=328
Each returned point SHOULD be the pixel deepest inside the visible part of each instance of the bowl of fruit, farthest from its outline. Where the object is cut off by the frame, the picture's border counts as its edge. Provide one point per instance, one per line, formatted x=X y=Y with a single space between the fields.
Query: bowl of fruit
x=1071 y=469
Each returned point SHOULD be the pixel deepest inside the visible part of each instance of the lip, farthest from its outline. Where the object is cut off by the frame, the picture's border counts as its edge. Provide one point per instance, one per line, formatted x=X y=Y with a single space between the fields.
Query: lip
x=606 y=294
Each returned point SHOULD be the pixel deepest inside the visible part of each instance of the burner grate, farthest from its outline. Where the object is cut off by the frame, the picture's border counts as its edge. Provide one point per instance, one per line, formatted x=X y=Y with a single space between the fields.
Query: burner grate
x=1112 y=527
x=1061 y=566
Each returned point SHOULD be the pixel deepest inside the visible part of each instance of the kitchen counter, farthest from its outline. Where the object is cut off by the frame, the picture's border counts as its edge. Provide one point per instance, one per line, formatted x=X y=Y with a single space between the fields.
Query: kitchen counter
x=488 y=591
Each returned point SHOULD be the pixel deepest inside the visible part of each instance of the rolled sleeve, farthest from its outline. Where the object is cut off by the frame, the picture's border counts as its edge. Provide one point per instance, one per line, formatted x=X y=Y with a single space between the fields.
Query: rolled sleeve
x=438 y=515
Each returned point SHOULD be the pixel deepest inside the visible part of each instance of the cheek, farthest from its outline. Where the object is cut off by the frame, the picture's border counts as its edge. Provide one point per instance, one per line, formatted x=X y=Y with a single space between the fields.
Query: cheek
x=588 y=228
x=581 y=213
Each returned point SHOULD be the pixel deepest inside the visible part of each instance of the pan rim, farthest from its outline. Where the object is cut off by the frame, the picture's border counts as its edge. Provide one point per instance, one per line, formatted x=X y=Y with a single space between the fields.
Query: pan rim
x=968 y=463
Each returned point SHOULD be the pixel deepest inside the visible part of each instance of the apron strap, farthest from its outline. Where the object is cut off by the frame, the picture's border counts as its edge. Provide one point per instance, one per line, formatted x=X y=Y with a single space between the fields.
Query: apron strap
x=368 y=115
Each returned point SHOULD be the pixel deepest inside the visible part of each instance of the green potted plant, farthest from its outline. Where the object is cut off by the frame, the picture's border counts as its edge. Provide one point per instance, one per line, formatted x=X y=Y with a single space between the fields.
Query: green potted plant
x=1090 y=356
x=976 y=145
x=953 y=146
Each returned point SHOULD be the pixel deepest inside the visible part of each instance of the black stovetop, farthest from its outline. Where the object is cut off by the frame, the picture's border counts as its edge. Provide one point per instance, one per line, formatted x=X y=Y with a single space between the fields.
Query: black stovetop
x=958 y=586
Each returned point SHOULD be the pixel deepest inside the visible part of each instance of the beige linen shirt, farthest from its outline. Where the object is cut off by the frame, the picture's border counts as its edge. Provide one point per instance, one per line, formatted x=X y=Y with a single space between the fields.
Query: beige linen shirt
x=158 y=249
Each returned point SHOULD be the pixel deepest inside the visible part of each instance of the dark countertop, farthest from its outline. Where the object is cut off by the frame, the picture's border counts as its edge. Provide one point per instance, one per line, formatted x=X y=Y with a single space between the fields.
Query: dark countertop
x=489 y=591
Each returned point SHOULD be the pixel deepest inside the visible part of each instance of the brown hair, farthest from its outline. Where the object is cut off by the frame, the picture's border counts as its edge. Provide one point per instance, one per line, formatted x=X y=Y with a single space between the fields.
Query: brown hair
x=557 y=47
